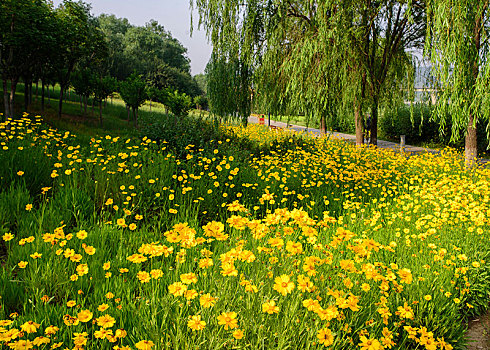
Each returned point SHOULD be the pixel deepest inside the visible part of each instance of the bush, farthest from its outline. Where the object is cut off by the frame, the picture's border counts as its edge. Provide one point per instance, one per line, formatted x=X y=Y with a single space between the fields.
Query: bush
x=423 y=128
x=420 y=129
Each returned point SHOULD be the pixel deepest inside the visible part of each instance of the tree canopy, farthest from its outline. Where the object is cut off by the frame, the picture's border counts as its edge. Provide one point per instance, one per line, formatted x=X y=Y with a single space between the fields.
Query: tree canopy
x=458 y=45
x=315 y=57
x=69 y=46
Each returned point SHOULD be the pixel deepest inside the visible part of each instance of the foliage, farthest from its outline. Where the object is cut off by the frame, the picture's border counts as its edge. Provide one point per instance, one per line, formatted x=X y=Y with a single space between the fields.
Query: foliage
x=179 y=104
x=457 y=43
x=150 y=51
x=228 y=88
x=104 y=87
x=416 y=125
x=278 y=249
x=133 y=91
x=317 y=57
x=83 y=81
x=25 y=48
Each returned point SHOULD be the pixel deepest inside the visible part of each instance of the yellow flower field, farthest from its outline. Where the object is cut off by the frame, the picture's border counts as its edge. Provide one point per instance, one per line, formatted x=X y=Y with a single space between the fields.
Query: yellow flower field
x=308 y=244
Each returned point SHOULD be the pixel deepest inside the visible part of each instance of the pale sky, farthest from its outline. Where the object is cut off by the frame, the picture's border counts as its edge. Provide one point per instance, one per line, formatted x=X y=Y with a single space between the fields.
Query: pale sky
x=174 y=15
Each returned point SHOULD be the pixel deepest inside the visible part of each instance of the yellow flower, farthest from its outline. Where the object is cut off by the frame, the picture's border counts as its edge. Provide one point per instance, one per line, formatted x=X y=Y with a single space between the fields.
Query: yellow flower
x=177 y=289
x=206 y=300
x=188 y=278
x=20 y=173
x=51 y=330
x=121 y=222
x=7 y=237
x=137 y=258
x=156 y=273
x=89 y=250
x=195 y=323
x=30 y=327
x=405 y=311
x=121 y=333
x=270 y=307
x=283 y=285
x=71 y=303
x=144 y=345
x=228 y=319
x=106 y=321
x=405 y=276
x=102 y=333
x=28 y=207
x=365 y=287
x=85 y=315
x=109 y=201
x=143 y=276
x=132 y=226
x=238 y=334
x=82 y=269
x=325 y=336
x=22 y=264
x=102 y=307
x=82 y=234
x=370 y=344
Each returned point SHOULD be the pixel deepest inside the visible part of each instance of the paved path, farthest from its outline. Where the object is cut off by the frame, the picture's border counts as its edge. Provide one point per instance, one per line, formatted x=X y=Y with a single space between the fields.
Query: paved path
x=352 y=138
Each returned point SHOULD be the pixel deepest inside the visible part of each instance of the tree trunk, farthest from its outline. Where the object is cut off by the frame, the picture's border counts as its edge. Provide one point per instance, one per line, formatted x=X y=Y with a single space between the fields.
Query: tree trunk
x=49 y=96
x=13 y=87
x=471 y=139
x=150 y=105
x=42 y=96
x=30 y=92
x=323 y=125
x=85 y=102
x=26 y=95
x=129 y=116
x=358 y=124
x=93 y=106
x=60 y=105
x=100 y=112
x=135 y=116
x=471 y=144
x=37 y=89
x=373 y=139
x=5 y=100
x=81 y=105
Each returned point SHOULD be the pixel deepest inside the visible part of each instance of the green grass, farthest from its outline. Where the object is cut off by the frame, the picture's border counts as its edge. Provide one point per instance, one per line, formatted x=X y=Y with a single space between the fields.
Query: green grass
x=376 y=231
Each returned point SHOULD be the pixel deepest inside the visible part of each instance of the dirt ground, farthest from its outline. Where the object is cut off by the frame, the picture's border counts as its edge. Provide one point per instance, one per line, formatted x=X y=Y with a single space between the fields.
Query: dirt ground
x=479 y=333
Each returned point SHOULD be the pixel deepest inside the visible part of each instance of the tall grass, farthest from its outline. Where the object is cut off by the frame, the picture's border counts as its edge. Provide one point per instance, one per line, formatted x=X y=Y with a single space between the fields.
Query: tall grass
x=295 y=243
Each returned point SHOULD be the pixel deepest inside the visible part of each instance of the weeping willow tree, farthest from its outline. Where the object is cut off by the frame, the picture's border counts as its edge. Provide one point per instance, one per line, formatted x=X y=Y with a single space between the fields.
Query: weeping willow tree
x=318 y=57
x=457 y=43
x=228 y=88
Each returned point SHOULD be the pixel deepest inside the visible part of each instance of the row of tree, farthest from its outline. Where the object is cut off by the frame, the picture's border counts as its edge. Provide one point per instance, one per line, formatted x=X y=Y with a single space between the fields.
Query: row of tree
x=95 y=55
x=326 y=58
